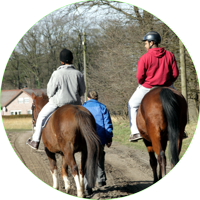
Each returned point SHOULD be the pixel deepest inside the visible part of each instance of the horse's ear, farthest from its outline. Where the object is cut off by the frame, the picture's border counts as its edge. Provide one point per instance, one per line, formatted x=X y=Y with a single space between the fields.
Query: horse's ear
x=33 y=96
x=43 y=96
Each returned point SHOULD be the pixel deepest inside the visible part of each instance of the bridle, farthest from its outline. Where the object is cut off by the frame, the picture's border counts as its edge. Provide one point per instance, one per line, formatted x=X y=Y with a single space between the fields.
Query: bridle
x=33 y=119
x=150 y=46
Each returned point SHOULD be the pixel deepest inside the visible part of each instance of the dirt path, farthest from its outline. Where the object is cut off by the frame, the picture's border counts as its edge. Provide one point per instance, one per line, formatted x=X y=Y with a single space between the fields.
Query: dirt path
x=127 y=170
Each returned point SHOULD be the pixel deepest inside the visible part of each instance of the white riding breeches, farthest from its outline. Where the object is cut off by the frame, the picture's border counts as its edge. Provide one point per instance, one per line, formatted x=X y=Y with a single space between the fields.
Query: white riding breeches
x=134 y=104
x=46 y=110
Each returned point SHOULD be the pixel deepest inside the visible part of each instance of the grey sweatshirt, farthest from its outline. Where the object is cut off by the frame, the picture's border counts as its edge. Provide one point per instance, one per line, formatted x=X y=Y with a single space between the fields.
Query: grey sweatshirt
x=66 y=86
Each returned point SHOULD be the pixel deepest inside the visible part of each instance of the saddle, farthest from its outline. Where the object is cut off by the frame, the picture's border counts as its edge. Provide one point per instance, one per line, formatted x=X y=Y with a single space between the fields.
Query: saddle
x=157 y=86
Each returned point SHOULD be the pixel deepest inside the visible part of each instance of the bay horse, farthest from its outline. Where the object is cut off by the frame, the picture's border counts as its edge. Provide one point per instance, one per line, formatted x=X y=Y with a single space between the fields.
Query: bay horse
x=70 y=129
x=162 y=117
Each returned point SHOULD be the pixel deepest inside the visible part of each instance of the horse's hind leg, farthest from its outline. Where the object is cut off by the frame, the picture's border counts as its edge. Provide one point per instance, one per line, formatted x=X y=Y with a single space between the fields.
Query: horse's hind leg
x=69 y=159
x=64 y=174
x=162 y=157
x=162 y=162
x=153 y=163
x=53 y=167
x=82 y=169
x=159 y=148
x=153 y=160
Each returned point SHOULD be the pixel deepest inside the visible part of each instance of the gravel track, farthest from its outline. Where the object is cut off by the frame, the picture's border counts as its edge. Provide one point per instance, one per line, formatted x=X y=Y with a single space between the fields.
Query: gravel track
x=128 y=170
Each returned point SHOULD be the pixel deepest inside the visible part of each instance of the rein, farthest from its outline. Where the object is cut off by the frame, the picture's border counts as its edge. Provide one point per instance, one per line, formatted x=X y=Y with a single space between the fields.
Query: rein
x=33 y=119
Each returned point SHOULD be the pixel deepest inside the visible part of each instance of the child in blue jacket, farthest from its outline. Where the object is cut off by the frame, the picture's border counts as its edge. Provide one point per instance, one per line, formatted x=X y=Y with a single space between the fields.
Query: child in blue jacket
x=104 y=129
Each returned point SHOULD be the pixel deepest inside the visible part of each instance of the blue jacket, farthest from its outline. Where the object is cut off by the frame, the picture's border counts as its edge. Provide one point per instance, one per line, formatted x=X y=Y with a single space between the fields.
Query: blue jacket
x=104 y=125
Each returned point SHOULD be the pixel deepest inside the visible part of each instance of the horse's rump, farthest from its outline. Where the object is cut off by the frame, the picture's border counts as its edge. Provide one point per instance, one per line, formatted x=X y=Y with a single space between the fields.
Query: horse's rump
x=162 y=116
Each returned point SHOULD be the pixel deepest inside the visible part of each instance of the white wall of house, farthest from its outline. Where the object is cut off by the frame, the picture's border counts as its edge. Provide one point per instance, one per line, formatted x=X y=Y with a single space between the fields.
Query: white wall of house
x=21 y=105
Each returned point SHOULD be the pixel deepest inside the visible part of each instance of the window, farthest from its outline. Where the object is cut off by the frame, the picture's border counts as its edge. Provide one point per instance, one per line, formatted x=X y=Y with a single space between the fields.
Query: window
x=5 y=109
x=29 y=112
x=26 y=100
x=20 y=100
x=15 y=112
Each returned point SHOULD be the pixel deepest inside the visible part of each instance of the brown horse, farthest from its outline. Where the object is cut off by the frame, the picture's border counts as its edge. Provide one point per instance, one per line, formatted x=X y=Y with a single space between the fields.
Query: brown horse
x=70 y=129
x=162 y=116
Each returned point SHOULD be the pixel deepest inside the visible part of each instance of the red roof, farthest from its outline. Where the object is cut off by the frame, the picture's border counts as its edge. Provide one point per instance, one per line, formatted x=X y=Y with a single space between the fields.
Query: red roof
x=7 y=96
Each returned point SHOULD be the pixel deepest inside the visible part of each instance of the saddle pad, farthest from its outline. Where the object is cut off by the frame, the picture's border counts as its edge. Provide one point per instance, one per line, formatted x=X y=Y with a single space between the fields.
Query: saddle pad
x=44 y=122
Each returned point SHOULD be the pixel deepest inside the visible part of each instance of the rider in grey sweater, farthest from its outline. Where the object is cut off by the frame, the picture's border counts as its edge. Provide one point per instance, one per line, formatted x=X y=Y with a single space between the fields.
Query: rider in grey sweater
x=66 y=86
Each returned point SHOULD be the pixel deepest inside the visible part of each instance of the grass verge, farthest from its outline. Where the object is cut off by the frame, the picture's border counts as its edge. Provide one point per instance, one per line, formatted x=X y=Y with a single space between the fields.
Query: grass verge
x=17 y=124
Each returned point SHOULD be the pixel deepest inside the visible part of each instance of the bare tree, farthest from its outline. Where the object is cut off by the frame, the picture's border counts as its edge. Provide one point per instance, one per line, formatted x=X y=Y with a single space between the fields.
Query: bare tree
x=114 y=33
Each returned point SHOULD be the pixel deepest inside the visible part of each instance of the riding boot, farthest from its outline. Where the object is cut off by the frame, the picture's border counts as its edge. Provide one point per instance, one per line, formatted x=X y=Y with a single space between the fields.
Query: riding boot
x=185 y=135
x=135 y=137
x=33 y=144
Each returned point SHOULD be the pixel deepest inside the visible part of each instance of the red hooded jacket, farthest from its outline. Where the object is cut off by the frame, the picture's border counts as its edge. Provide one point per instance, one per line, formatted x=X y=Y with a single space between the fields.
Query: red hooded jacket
x=157 y=67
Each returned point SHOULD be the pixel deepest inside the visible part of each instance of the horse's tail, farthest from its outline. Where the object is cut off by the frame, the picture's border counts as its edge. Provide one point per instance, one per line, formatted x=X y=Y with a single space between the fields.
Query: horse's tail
x=171 y=110
x=87 y=127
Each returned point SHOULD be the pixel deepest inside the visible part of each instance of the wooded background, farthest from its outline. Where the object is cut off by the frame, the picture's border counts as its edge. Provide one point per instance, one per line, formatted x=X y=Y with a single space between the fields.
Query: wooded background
x=114 y=33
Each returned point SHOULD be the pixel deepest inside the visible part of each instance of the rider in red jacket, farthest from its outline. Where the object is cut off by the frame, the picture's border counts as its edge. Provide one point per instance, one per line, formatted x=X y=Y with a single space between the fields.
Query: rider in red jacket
x=155 y=68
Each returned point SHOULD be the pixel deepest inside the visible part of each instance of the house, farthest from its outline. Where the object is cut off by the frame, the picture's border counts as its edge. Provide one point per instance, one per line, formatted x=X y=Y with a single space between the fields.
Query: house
x=16 y=102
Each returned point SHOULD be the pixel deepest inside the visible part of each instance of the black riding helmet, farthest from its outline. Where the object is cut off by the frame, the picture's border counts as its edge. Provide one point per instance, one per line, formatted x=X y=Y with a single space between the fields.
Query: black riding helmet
x=152 y=36
x=66 y=56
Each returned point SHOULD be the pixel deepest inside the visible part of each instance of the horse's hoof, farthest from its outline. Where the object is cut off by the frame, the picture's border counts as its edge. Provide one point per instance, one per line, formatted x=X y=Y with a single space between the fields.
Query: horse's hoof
x=155 y=181
x=80 y=194
x=88 y=192
x=67 y=190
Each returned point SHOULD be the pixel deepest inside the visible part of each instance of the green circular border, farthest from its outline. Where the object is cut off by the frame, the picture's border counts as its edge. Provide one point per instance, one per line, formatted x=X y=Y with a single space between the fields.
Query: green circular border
x=17 y=17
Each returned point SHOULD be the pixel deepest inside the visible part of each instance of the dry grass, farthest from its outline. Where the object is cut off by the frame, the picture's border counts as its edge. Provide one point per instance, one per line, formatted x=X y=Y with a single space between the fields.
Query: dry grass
x=190 y=131
x=121 y=134
x=17 y=123
x=191 y=128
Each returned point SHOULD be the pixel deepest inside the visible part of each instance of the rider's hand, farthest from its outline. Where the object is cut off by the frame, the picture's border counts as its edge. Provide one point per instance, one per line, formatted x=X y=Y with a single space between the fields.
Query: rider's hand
x=108 y=144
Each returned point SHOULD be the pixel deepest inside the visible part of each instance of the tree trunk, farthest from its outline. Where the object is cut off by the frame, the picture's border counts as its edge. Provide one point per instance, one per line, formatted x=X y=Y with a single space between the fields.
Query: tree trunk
x=183 y=72
x=84 y=63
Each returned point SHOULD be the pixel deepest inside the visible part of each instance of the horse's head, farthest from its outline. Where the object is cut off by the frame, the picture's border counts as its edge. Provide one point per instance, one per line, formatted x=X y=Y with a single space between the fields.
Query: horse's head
x=38 y=103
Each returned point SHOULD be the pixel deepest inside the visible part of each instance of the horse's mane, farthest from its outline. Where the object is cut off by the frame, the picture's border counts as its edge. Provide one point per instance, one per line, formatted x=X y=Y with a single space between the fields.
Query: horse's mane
x=43 y=95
